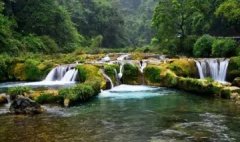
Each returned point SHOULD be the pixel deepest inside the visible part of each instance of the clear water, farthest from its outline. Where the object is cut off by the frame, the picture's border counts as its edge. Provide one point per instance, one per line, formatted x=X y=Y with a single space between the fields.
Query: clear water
x=150 y=114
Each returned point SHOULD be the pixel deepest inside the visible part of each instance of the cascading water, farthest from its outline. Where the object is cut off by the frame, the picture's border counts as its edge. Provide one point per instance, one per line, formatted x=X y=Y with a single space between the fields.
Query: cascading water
x=143 y=65
x=215 y=68
x=70 y=76
x=120 y=74
x=63 y=73
x=117 y=77
x=108 y=78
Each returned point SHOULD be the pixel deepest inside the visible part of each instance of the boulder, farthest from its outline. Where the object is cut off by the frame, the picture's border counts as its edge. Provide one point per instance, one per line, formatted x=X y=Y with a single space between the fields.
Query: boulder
x=24 y=105
x=236 y=82
x=3 y=99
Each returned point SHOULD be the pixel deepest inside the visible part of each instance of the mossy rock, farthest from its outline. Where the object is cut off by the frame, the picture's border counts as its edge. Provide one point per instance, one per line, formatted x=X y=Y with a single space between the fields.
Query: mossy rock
x=199 y=86
x=111 y=70
x=233 y=68
x=88 y=73
x=183 y=67
x=131 y=75
x=152 y=75
x=79 y=93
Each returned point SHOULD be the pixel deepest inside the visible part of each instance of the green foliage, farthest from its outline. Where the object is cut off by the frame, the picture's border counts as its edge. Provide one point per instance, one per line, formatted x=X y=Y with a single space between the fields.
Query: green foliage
x=33 y=44
x=45 y=17
x=111 y=71
x=5 y=62
x=152 y=74
x=184 y=68
x=32 y=72
x=46 y=98
x=131 y=74
x=16 y=91
x=224 y=48
x=97 y=41
x=80 y=92
x=82 y=74
x=233 y=68
x=203 y=46
x=230 y=9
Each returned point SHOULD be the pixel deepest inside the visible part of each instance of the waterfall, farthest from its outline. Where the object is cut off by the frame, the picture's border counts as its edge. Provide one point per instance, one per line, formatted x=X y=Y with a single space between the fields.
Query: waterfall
x=143 y=66
x=120 y=74
x=106 y=59
x=70 y=76
x=117 y=77
x=108 y=78
x=214 y=68
x=63 y=73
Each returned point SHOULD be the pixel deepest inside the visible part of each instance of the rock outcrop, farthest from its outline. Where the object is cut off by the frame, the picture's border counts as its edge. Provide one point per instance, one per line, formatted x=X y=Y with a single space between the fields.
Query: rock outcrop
x=3 y=99
x=24 y=105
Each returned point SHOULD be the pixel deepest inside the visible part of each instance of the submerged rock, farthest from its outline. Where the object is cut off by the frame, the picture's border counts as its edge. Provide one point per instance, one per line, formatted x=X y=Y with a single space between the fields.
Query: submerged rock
x=3 y=99
x=23 y=105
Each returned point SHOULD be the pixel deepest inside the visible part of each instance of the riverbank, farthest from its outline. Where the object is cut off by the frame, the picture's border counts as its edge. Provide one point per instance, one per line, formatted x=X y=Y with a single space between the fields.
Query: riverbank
x=100 y=72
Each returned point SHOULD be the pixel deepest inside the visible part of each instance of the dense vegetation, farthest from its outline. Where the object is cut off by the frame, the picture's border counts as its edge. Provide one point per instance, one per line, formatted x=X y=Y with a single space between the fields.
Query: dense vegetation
x=169 y=27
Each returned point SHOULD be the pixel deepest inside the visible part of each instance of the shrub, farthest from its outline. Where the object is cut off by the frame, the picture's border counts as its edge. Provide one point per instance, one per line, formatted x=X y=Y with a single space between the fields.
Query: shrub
x=32 y=71
x=224 y=48
x=16 y=91
x=33 y=43
x=203 y=46
x=233 y=68
x=5 y=61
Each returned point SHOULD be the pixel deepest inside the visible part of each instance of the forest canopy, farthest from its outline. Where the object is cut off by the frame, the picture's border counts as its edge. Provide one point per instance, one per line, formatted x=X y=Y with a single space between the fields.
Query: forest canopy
x=165 y=26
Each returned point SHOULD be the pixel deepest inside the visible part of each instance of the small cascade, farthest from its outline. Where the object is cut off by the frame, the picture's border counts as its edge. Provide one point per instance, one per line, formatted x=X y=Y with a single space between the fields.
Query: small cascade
x=143 y=65
x=108 y=78
x=70 y=76
x=214 y=68
x=117 y=77
x=64 y=73
x=120 y=74
x=106 y=59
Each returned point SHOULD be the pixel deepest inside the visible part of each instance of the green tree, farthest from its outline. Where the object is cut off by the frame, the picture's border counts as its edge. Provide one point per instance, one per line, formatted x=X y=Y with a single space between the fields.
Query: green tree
x=46 y=17
x=172 y=19
x=8 y=43
x=230 y=10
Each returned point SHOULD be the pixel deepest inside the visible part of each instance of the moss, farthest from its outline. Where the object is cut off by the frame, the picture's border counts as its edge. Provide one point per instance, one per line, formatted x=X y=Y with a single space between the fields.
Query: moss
x=169 y=79
x=200 y=86
x=233 y=68
x=49 y=98
x=152 y=74
x=111 y=71
x=184 y=68
x=90 y=73
x=79 y=93
x=137 y=56
x=131 y=74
